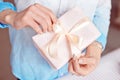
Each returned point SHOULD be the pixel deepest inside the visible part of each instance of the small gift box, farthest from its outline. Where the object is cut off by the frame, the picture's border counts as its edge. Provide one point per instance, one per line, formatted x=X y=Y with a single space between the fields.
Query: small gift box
x=70 y=36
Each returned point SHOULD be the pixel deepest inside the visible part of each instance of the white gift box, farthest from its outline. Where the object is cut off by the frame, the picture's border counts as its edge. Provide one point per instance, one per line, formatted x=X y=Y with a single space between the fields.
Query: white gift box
x=71 y=35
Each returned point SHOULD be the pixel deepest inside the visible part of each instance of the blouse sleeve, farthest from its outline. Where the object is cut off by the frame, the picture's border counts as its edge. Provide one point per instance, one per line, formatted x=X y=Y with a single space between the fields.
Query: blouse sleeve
x=102 y=20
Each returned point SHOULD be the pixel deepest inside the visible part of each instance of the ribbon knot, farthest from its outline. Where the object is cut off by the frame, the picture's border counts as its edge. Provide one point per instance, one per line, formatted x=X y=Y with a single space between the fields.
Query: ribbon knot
x=73 y=41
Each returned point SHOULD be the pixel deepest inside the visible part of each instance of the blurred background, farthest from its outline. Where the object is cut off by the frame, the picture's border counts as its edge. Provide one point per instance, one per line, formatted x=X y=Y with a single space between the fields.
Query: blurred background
x=113 y=42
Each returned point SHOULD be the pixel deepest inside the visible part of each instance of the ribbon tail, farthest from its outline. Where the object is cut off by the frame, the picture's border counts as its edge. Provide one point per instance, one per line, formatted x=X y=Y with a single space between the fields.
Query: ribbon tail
x=52 y=46
x=75 y=45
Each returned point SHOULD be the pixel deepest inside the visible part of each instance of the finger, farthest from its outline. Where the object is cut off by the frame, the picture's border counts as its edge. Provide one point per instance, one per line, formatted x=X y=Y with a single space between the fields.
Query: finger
x=89 y=60
x=70 y=68
x=48 y=11
x=85 y=70
x=46 y=17
x=76 y=66
x=40 y=20
x=35 y=26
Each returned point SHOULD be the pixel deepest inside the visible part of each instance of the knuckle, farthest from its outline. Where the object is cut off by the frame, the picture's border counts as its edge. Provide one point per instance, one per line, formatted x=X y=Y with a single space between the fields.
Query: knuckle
x=44 y=26
x=32 y=7
x=48 y=22
x=36 y=28
x=28 y=12
x=45 y=18
x=50 y=11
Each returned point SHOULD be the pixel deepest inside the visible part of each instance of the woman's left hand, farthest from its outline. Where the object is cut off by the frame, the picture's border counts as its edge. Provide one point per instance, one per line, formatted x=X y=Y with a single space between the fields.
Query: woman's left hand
x=86 y=64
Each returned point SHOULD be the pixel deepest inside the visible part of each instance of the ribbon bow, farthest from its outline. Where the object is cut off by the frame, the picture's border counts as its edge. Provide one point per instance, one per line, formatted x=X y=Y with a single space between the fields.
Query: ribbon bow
x=73 y=41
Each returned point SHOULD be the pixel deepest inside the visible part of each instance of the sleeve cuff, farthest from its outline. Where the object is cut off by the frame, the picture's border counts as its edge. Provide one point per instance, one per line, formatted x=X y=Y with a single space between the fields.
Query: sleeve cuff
x=103 y=40
x=4 y=6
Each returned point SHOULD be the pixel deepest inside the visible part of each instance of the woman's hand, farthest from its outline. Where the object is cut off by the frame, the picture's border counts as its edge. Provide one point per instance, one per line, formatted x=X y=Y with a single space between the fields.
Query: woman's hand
x=87 y=63
x=33 y=16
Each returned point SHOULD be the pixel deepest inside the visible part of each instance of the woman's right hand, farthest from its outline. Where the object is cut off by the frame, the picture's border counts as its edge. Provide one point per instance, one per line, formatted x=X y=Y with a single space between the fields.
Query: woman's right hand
x=33 y=16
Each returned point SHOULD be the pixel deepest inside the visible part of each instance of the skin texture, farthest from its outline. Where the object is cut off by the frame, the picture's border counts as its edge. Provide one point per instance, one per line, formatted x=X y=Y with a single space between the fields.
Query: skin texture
x=37 y=15
x=86 y=64
x=33 y=16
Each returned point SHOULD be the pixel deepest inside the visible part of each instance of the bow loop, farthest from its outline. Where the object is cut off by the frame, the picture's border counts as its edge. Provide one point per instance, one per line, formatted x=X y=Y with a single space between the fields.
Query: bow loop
x=73 y=41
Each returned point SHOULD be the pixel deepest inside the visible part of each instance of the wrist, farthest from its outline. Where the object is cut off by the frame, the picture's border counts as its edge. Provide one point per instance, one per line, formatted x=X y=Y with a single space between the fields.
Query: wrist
x=97 y=44
x=95 y=49
x=4 y=6
x=9 y=16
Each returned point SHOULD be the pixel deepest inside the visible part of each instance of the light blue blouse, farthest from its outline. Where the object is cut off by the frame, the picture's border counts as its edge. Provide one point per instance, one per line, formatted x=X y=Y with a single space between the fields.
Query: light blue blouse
x=26 y=61
x=3 y=6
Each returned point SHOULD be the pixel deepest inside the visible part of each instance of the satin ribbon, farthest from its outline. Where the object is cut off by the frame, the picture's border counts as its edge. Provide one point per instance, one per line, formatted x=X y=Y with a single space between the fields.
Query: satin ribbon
x=73 y=41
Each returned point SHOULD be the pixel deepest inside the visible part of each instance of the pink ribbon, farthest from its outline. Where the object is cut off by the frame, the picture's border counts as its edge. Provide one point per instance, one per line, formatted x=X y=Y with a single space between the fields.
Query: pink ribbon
x=73 y=41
